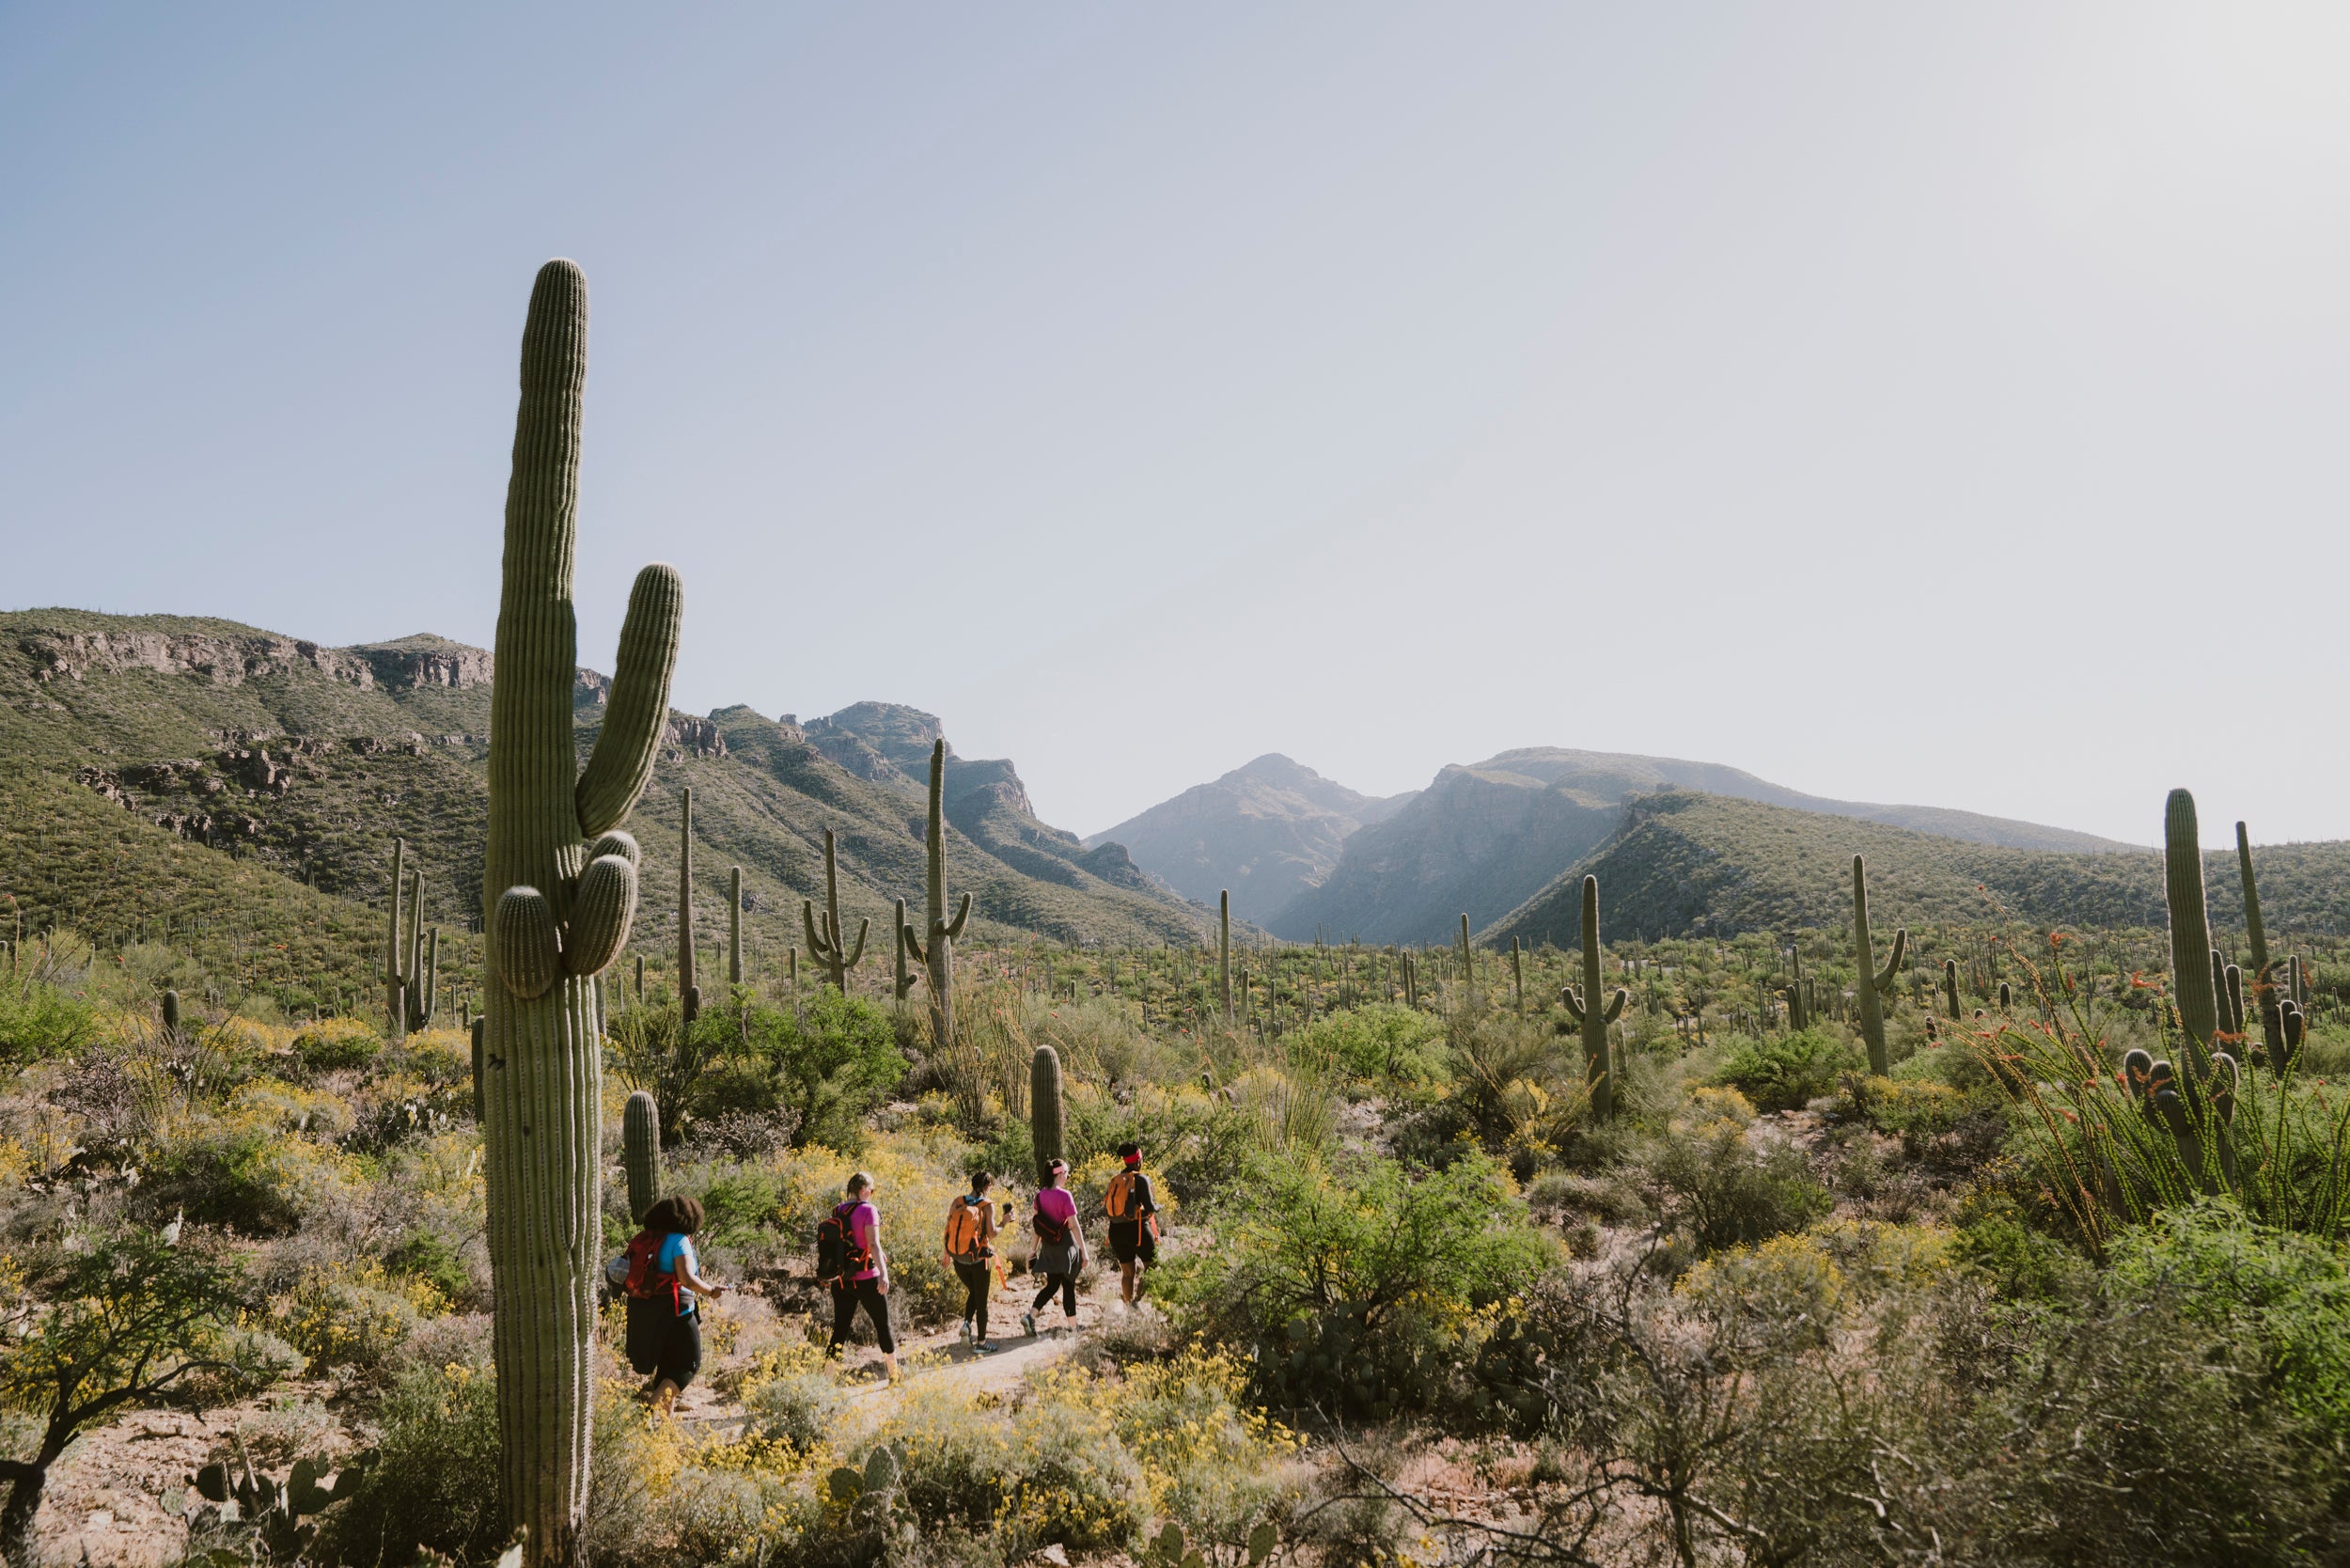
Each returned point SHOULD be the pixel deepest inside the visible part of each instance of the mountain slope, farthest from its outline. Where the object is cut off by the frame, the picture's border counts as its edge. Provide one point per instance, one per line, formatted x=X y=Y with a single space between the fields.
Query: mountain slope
x=1268 y=830
x=1684 y=861
x=307 y=760
x=1482 y=840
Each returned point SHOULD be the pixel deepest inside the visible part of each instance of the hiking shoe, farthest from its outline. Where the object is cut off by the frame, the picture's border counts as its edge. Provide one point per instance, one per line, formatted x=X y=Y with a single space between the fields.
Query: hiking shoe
x=985 y=1347
x=1028 y=1321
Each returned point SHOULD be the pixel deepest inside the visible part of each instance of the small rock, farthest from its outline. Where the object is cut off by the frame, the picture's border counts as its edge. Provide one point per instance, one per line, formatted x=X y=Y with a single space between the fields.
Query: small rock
x=1055 y=1554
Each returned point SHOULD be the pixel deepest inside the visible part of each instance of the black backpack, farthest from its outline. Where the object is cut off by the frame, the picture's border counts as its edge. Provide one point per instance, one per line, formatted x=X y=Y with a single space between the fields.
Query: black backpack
x=838 y=1254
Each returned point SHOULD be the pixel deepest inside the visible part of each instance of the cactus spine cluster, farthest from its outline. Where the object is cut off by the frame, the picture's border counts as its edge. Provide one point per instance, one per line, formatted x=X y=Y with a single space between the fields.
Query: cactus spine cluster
x=640 y=1153
x=823 y=940
x=560 y=892
x=689 y=993
x=937 y=952
x=1224 y=951
x=1872 y=980
x=1044 y=1110
x=1586 y=1011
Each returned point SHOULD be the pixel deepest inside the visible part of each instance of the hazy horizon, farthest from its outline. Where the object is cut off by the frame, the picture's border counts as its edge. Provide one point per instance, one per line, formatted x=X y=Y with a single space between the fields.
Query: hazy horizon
x=1929 y=408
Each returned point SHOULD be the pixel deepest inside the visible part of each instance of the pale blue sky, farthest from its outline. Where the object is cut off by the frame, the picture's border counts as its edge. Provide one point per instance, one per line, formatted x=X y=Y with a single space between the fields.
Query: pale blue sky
x=1940 y=405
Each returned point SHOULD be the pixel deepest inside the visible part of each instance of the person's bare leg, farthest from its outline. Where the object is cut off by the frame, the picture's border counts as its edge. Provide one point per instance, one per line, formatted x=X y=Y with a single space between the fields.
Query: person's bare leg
x=664 y=1395
x=1126 y=1281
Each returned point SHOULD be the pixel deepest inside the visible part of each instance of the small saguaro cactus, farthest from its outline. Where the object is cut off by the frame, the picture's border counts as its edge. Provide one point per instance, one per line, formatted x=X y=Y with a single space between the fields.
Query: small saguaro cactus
x=937 y=948
x=734 y=926
x=428 y=992
x=1798 y=1014
x=1517 y=974
x=689 y=993
x=560 y=892
x=2007 y=996
x=1869 y=980
x=1950 y=985
x=171 y=1015
x=2234 y=993
x=823 y=939
x=2200 y=1099
x=1585 y=1009
x=1224 y=951
x=1044 y=1108
x=902 y=983
x=640 y=1153
x=1468 y=963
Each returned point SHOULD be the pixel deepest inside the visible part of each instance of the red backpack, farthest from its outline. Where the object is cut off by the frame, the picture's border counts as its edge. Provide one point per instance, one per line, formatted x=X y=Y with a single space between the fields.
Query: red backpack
x=839 y=1258
x=643 y=1283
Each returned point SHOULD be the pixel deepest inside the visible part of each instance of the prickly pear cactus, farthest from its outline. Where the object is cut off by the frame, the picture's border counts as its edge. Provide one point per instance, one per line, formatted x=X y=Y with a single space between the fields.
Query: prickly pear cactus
x=559 y=891
x=640 y=1153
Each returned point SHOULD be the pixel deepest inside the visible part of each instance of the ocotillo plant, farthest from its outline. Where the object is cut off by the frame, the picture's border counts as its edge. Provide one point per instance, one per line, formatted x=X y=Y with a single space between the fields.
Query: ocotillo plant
x=938 y=951
x=1044 y=1110
x=560 y=892
x=902 y=983
x=1588 y=1012
x=640 y=1153
x=734 y=926
x=823 y=941
x=689 y=995
x=1224 y=951
x=1950 y=985
x=1870 y=980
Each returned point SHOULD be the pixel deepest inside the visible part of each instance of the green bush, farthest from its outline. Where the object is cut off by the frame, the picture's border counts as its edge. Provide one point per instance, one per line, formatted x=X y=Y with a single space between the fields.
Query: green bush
x=433 y=1484
x=429 y=1256
x=830 y=1067
x=1381 y=1044
x=38 y=1022
x=334 y=1044
x=1717 y=1190
x=1354 y=1288
x=1787 y=1072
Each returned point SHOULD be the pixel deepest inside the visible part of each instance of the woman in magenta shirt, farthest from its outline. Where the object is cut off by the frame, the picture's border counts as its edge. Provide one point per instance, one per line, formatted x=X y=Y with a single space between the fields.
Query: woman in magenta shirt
x=1060 y=1246
x=869 y=1282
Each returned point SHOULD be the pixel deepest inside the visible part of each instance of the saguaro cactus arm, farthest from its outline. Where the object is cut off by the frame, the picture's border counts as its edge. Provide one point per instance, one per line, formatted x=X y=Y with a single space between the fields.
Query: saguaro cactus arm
x=1893 y=964
x=622 y=764
x=2254 y=932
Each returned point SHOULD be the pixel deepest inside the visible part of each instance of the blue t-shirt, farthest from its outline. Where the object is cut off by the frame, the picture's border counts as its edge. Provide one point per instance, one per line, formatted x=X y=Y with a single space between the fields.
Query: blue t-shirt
x=674 y=1246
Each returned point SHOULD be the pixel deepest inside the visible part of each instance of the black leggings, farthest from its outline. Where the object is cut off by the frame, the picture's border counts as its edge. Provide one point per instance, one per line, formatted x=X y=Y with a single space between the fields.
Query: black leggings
x=844 y=1305
x=1067 y=1285
x=976 y=1280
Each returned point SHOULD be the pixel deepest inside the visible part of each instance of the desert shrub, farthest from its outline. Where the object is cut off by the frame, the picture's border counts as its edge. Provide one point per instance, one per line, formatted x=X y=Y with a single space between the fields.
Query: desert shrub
x=439 y=1442
x=1217 y=1466
x=1787 y=1072
x=1099 y=1040
x=39 y=1022
x=356 y=1318
x=2288 y=1294
x=246 y=1168
x=431 y=1260
x=289 y=1427
x=829 y=1067
x=1356 y=1287
x=334 y=1044
x=1719 y=1189
x=1381 y=1044
x=794 y=1396
x=1196 y=1143
x=1916 y=1110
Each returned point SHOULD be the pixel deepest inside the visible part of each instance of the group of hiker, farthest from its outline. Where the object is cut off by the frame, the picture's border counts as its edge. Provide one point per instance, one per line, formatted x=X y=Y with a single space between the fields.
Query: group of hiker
x=660 y=1279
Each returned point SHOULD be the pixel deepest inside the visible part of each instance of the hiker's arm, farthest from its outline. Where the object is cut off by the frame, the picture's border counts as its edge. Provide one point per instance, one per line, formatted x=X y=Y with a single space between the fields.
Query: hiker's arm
x=695 y=1282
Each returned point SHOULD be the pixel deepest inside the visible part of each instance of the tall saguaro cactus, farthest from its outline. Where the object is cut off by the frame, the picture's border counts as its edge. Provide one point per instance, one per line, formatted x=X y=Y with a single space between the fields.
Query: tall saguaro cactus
x=936 y=950
x=396 y=946
x=1044 y=1110
x=1585 y=1008
x=734 y=926
x=1468 y=964
x=823 y=939
x=689 y=995
x=640 y=1153
x=1224 y=951
x=1872 y=980
x=559 y=892
x=2193 y=985
x=901 y=983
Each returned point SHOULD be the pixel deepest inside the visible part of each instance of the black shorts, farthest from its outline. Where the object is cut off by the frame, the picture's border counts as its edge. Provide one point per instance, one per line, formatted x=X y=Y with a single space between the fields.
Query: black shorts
x=681 y=1349
x=1131 y=1241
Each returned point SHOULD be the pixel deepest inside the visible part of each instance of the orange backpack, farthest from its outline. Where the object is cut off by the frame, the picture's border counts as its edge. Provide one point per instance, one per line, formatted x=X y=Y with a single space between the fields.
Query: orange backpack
x=965 y=1228
x=1119 y=1201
